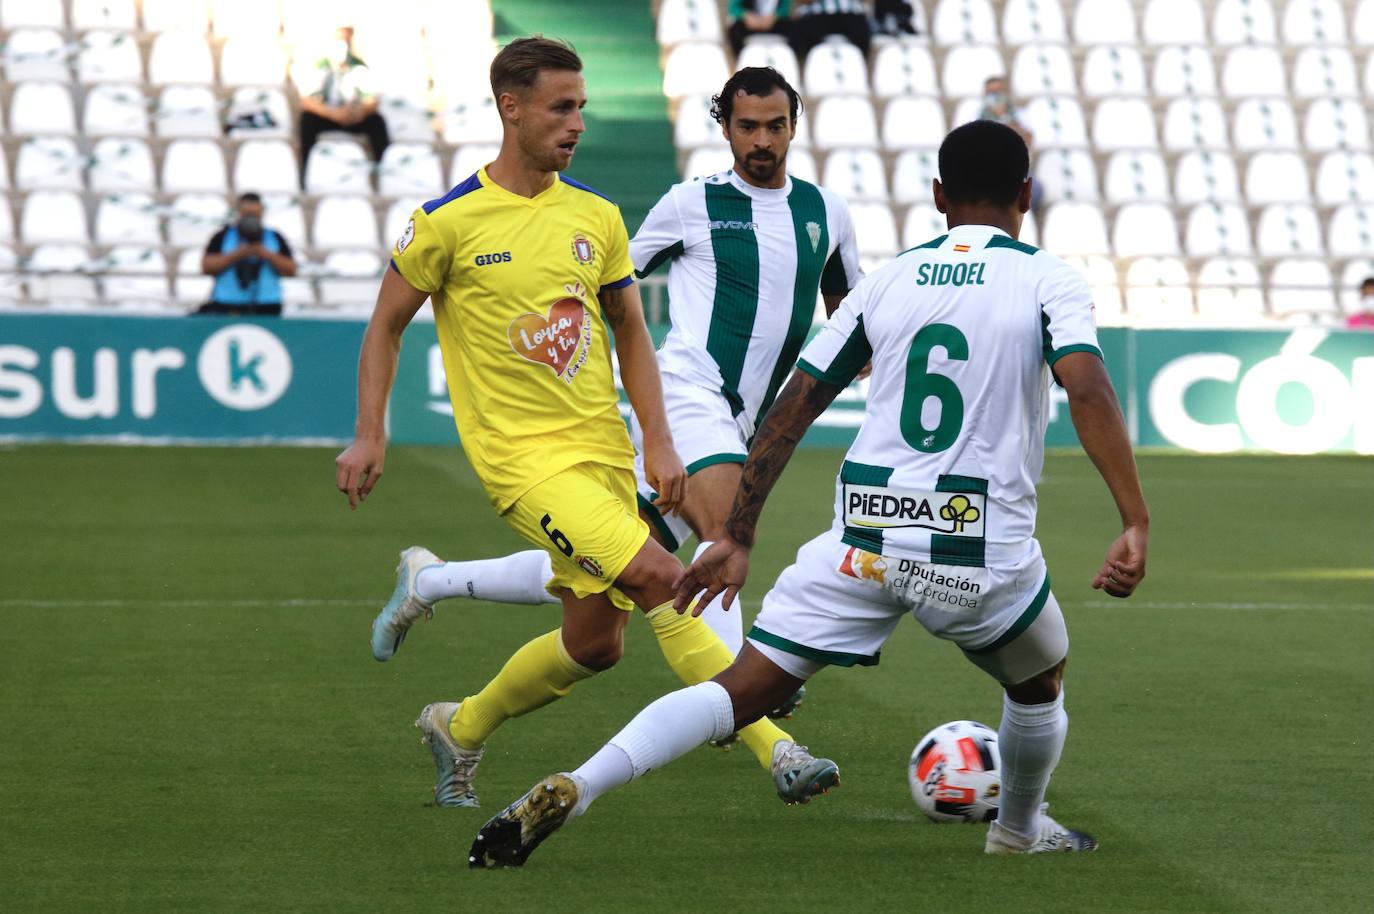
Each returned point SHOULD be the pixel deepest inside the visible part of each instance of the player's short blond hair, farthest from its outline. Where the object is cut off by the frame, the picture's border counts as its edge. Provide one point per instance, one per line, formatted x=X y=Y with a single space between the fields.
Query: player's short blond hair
x=517 y=65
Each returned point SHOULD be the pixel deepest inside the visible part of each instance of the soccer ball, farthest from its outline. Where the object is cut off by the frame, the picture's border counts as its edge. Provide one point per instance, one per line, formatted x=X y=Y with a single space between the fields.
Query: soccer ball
x=955 y=773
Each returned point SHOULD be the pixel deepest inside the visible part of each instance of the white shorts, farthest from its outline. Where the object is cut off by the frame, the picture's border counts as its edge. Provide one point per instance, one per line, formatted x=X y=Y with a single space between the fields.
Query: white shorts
x=705 y=432
x=837 y=605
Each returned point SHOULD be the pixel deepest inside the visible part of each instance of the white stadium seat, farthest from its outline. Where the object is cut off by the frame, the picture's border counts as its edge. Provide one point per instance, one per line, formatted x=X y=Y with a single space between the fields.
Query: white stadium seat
x=707 y=160
x=1335 y=123
x=1369 y=75
x=1351 y=232
x=109 y=57
x=922 y=223
x=1124 y=123
x=1027 y=21
x=193 y=166
x=1277 y=177
x=694 y=68
x=115 y=109
x=1194 y=123
x=1145 y=229
x=36 y=54
x=1067 y=174
x=351 y=279
x=58 y=275
x=874 y=229
x=168 y=15
x=1215 y=229
x=1075 y=228
x=903 y=68
x=769 y=51
x=856 y=174
x=410 y=170
x=1362 y=24
x=20 y=13
x=1300 y=286
x=475 y=121
x=11 y=286
x=104 y=14
x=964 y=22
x=1325 y=72
x=1345 y=177
x=468 y=159
x=194 y=218
x=1313 y=22
x=1184 y=70
x=693 y=126
x=1113 y=70
x=255 y=101
x=344 y=222
x=136 y=280
x=1104 y=22
x=1243 y=22
x=252 y=62
x=245 y=17
x=845 y=121
x=1055 y=122
x=913 y=123
x=53 y=215
x=1265 y=124
x=42 y=108
x=1288 y=230
x=1356 y=271
x=912 y=175
x=187 y=111
x=1228 y=291
x=968 y=109
x=121 y=164
x=967 y=67
x=688 y=20
x=283 y=214
x=1253 y=72
x=408 y=120
x=1204 y=175
x=180 y=57
x=1136 y=176
x=1170 y=21
x=801 y=164
x=4 y=177
x=338 y=166
x=835 y=67
x=266 y=167
x=49 y=163
x=1043 y=69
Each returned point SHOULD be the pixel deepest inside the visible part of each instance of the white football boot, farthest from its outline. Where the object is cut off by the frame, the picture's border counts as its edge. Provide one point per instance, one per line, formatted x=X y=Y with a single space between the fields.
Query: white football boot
x=405 y=606
x=1053 y=838
x=456 y=767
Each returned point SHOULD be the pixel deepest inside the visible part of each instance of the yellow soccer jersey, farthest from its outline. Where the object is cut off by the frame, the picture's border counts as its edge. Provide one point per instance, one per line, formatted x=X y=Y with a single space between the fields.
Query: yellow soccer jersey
x=514 y=285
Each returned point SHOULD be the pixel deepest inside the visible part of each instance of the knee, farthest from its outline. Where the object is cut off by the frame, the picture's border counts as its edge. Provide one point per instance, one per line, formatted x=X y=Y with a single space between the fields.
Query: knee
x=1041 y=688
x=597 y=653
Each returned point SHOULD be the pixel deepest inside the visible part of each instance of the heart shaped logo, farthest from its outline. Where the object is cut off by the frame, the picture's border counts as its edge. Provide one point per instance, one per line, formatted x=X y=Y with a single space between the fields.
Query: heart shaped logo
x=553 y=340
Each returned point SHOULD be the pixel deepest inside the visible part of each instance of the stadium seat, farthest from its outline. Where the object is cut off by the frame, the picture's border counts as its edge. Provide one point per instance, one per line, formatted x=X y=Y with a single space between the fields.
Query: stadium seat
x=109 y=57
x=1369 y=75
x=964 y=22
x=1356 y=271
x=1030 y=229
x=1325 y=72
x=115 y=109
x=1183 y=70
x=1351 y=231
x=845 y=121
x=856 y=174
x=1345 y=177
x=1203 y=175
x=1043 y=69
x=968 y=109
x=58 y=275
x=1362 y=24
x=694 y=68
x=1313 y=22
x=922 y=223
x=874 y=229
x=1136 y=176
x=120 y=164
x=903 y=68
x=468 y=159
x=1124 y=123
x=967 y=67
x=344 y=222
x=693 y=126
x=257 y=61
x=1229 y=291
x=1104 y=22
x=35 y=54
x=1215 y=229
x=802 y=165
x=193 y=165
x=171 y=15
x=6 y=224
x=191 y=288
x=21 y=13
x=912 y=174
x=1145 y=229
x=1160 y=306
x=1110 y=69
x=42 y=109
x=913 y=123
x=1157 y=272
x=688 y=20
x=408 y=120
x=350 y=280
x=53 y=216
x=1056 y=122
x=1300 y=286
x=707 y=160
x=1173 y=21
x=1030 y=21
x=410 y=170
x=253 y=102
x=194 y=218
x=283 y=214
x=338 y=166
x=1288 y=230
x=135 y=276
x=1335 y=123
x=1067 y=174
x=1075 y=228
x=835 y=67
x=1277 y=177
x=1194 y=123
x=1253 y=72
x=11 y=285
x=769 y=51
x=475 y=121
x=187 y=111
x=1265 y=124
x=266 y=167
x=104 y=14
x=234 y=18
x=49 y=163
x=1243 y=22
x=180 y=57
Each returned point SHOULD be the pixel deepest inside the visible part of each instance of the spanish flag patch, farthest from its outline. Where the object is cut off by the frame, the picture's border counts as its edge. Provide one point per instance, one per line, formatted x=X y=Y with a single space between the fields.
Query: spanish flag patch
x=961 y=248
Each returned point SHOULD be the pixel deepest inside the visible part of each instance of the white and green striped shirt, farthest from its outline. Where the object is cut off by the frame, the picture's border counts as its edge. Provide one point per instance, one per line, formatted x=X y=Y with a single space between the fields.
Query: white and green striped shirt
x=746 y=265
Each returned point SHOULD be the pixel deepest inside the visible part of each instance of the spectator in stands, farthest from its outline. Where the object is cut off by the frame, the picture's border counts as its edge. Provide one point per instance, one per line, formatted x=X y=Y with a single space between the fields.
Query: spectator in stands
x=894 y=17
x=757 y=17
x=247 y=260
x=341 y=98
x=813 y=21
x=1363 y=319
x=997 y=106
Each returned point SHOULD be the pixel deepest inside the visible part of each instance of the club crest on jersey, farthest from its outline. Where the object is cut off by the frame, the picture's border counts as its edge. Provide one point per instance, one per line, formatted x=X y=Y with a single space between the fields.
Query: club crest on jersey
x=561 y=339
x=813 y=231
x=883 y=508
x=582 y=249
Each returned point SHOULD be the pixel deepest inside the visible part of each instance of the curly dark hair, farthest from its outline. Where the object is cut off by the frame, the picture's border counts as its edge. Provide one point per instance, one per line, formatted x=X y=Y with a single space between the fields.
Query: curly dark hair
x=753 y=81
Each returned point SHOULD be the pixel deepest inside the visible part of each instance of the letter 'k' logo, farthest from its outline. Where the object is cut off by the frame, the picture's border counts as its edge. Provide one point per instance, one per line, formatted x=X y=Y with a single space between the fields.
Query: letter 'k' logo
x=959 y=510
x=241 y=371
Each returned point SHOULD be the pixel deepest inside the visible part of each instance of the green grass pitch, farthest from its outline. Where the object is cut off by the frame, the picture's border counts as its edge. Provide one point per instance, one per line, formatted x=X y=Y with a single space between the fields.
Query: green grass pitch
x=190 y=719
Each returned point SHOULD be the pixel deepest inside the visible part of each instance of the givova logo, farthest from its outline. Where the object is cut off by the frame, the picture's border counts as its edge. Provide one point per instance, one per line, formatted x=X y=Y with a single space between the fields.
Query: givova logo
x=244 y=367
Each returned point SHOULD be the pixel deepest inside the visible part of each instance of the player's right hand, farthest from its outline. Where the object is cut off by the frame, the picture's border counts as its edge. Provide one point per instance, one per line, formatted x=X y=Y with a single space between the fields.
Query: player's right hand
x=1124 y=568
x=358 y=468
x=664 y=471
x=722 y=568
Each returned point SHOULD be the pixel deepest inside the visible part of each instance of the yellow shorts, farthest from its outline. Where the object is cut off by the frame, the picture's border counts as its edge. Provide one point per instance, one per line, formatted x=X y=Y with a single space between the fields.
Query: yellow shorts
x=587 y=518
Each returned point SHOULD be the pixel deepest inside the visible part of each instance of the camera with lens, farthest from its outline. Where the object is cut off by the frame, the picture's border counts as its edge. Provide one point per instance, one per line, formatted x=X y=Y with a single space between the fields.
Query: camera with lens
x=250 y=229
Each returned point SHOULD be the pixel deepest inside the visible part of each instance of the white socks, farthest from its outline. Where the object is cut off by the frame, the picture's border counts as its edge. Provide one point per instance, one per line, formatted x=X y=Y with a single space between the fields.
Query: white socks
x=667 y=729
x=728 y=626
x=1030 y=740
x=518 y=578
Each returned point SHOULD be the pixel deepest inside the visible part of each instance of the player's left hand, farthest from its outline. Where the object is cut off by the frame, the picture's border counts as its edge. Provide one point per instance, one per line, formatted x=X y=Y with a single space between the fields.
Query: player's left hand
x=722 y=568
x=664 y=471
x=1124 y=568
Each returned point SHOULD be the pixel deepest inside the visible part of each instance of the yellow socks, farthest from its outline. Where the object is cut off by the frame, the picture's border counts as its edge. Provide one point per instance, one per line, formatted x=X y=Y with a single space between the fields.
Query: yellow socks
x=534 y=676
x=696 y=654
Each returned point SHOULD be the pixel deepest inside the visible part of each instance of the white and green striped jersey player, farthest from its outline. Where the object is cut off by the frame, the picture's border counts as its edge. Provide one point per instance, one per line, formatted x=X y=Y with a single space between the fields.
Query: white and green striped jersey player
x=745 y=266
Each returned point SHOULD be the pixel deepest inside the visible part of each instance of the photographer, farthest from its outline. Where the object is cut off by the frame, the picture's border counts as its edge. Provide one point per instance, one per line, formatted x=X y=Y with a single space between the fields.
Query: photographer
x=248 y=261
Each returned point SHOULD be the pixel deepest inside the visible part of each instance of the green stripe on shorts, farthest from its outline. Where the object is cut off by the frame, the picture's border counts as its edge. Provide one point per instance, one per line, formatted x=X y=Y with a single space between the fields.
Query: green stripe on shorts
x=711 y=460
x=834 y=658
x=1022 y=622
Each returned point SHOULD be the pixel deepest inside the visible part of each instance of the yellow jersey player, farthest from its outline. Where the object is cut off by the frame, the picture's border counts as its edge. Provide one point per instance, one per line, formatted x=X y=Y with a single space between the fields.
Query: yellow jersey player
x=522 y=265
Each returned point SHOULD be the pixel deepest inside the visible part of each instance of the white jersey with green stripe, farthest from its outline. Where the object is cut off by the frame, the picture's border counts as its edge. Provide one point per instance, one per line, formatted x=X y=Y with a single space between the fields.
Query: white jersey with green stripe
x=963 y=333
x=745 y=266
